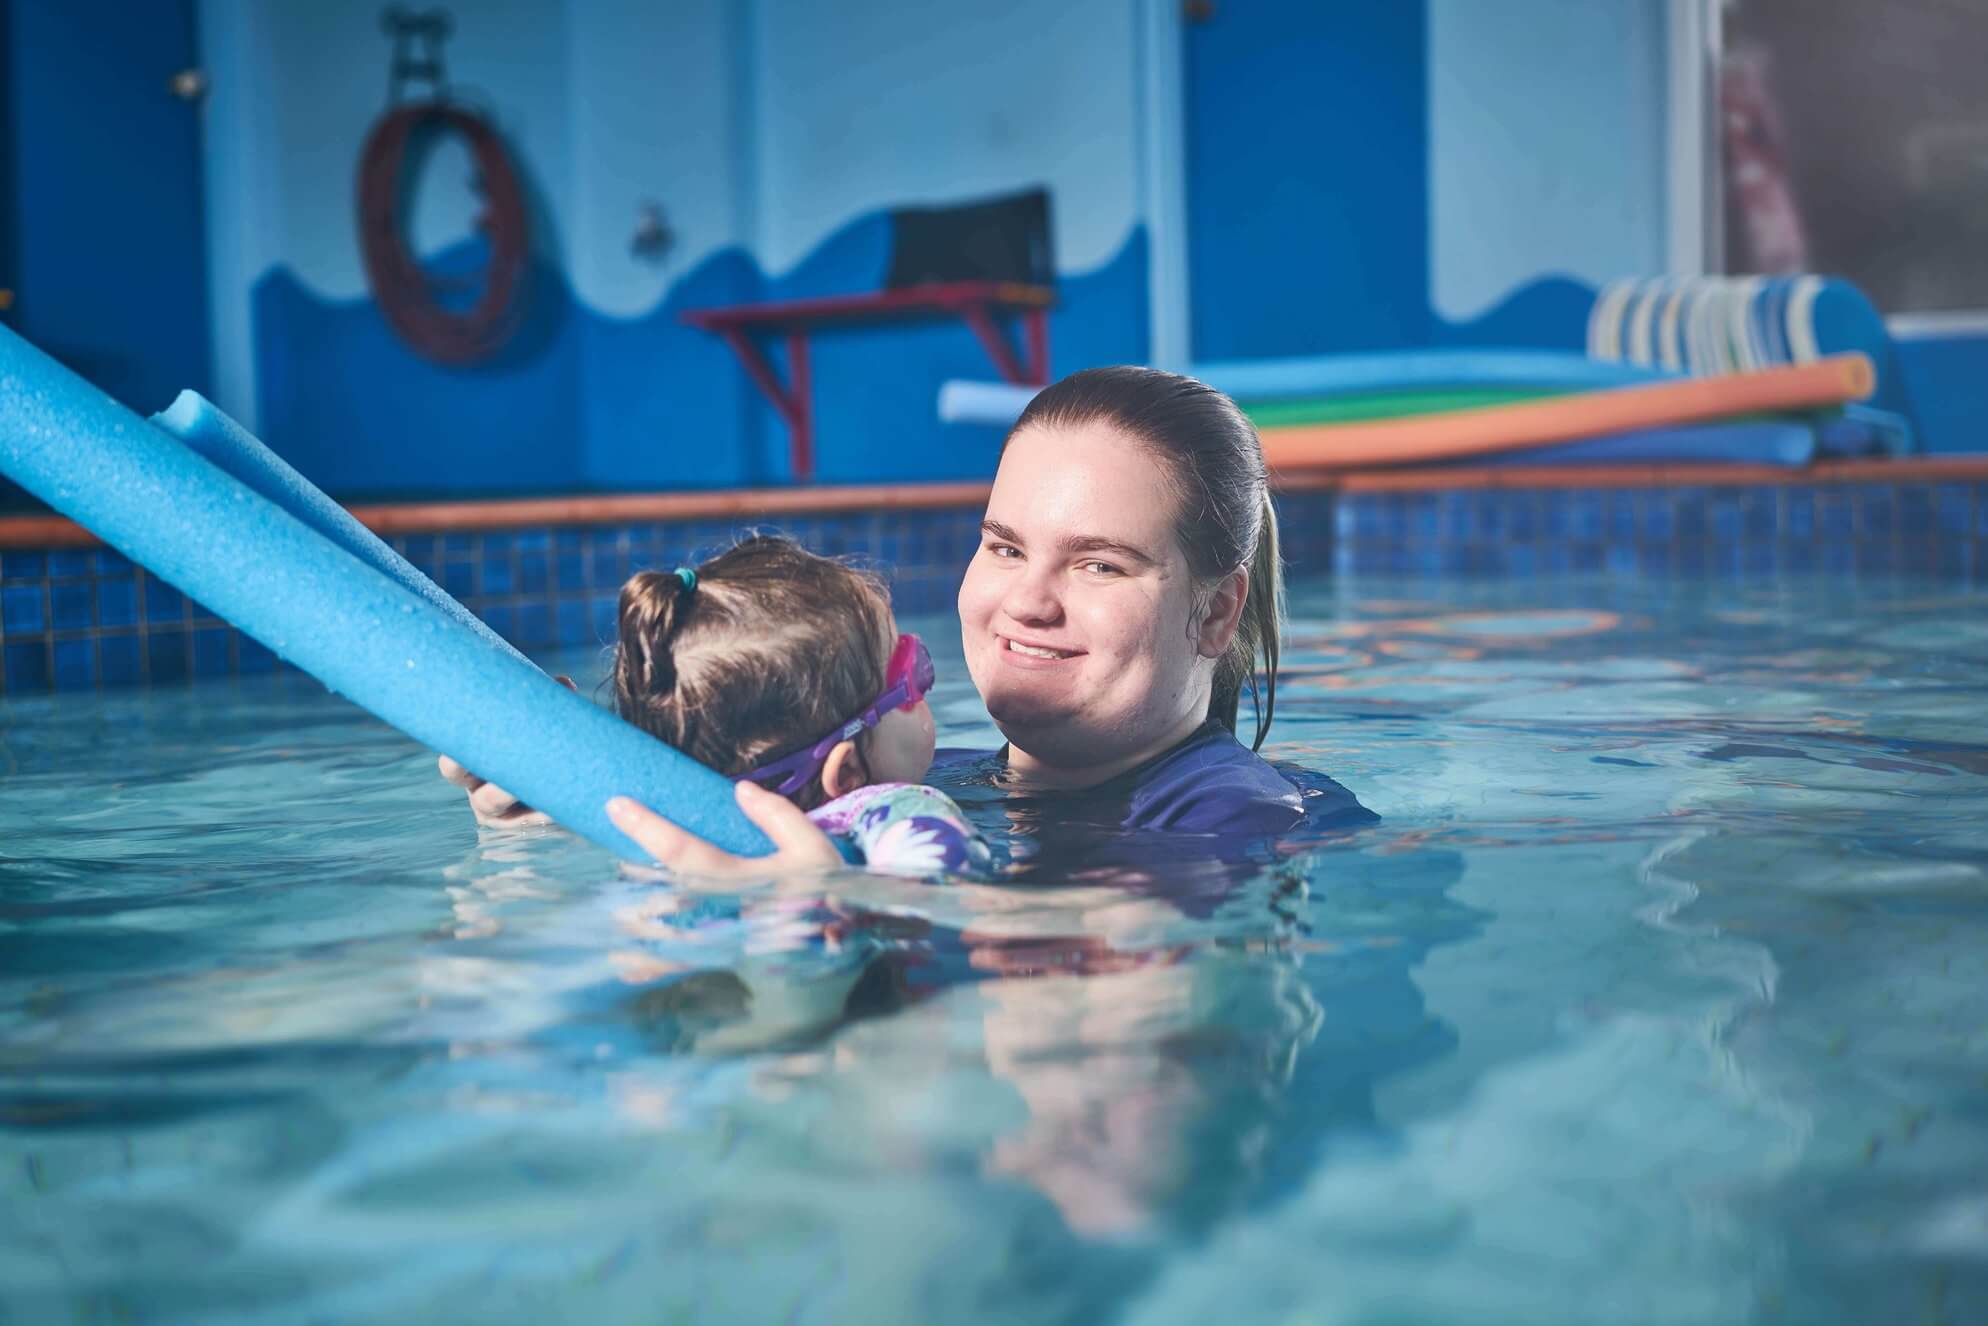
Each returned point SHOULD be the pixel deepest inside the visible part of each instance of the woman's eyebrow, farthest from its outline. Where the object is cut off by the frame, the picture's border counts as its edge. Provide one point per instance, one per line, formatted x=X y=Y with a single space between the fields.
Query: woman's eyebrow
x=1092 y=543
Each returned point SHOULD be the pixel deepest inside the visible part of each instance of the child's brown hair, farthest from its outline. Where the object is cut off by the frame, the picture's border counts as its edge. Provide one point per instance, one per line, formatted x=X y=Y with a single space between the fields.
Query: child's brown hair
x=764 y=652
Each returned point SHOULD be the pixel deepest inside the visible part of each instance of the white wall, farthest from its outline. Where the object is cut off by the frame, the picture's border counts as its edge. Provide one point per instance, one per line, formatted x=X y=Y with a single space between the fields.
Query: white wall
x=902 y=101
x=1547 y=123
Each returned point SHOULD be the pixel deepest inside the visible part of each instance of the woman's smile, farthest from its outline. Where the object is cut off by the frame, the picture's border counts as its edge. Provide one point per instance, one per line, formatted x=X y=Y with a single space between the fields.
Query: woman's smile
x=1033 y=654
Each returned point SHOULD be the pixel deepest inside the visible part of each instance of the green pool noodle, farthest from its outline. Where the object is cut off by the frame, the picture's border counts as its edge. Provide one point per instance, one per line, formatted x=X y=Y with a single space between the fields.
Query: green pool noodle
x=363 y=633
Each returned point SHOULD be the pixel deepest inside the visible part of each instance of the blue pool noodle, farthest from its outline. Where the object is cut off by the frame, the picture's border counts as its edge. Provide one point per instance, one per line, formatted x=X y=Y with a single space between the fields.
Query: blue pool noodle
x=199 y=423
x=1750 y=442
x=363 y=633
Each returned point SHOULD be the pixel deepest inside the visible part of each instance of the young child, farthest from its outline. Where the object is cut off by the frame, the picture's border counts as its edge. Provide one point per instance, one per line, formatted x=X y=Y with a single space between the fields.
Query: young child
x=771 y=663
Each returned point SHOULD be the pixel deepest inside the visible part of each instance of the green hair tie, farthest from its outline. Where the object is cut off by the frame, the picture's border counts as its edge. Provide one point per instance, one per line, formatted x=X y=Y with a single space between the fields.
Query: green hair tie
x=688 y=577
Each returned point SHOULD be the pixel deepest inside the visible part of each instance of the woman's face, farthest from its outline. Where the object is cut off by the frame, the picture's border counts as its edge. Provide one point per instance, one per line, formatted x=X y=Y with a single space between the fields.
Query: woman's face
x=1078 y=611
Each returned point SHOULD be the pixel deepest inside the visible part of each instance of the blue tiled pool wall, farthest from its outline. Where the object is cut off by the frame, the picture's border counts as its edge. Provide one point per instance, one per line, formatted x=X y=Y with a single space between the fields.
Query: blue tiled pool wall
x=84 y=618
x=1840 y=529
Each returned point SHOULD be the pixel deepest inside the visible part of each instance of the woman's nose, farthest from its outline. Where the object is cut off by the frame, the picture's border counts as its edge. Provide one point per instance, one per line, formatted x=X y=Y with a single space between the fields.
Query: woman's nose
x=1032 y=598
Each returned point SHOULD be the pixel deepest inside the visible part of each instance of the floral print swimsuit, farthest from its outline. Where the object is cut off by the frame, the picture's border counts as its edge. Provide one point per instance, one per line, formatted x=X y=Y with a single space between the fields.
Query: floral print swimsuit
x=904 y=829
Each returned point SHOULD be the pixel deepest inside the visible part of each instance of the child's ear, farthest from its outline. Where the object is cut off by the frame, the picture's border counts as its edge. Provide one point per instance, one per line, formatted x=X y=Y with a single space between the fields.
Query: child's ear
x=843 y=772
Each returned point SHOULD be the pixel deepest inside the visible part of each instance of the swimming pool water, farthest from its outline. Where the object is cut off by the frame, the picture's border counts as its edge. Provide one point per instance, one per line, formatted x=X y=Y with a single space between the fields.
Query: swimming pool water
x=1659 y=995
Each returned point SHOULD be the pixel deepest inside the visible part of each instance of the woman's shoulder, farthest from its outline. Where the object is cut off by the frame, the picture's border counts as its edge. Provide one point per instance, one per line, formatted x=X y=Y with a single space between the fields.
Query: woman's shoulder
x=1212 y=783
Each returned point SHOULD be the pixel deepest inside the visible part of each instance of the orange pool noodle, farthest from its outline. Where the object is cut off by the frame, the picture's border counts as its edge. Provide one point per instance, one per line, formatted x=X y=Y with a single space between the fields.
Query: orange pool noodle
x=1516 y=427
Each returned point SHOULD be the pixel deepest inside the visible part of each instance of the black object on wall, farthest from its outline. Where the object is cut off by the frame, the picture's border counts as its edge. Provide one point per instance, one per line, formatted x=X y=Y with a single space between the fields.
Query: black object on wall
x=1000 y=239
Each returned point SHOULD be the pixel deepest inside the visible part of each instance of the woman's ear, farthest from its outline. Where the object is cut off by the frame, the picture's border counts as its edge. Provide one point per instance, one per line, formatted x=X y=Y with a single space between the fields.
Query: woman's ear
x=1223 y=614
x=843 y=772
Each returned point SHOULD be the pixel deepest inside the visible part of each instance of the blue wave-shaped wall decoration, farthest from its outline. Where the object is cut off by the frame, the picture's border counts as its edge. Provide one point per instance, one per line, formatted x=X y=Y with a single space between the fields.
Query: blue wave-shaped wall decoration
x=584 y=401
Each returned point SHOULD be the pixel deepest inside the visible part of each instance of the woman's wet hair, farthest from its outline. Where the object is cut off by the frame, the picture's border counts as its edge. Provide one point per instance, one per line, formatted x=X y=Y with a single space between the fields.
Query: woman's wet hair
x=1215 y=461
x=765 y=649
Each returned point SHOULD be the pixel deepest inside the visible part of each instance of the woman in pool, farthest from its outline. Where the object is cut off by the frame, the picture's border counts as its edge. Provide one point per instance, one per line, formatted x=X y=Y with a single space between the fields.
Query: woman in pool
x=1125 y=593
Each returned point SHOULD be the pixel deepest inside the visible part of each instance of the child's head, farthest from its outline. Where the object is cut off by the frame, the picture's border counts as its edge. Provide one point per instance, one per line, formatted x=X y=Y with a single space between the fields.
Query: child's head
x=763 y=651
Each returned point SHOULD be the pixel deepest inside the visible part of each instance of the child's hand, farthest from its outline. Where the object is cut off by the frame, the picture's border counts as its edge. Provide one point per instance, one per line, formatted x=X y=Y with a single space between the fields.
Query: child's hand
x=493 y=807
x=799 y=845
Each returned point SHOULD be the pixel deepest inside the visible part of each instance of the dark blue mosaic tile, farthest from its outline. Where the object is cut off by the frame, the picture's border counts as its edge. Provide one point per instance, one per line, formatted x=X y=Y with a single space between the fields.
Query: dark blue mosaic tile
x=568 y=538
x=1877 y=510
x=1915 y=509
x=1585 y=558
x=71 y=606
x=1691 y=559
x=1723 y=514
x=1456 y=520
x=1981 y=509
x=1688 y=515
x=117 y=601
x=419 y=549
x=200 y=614
x=1834 y=511
x=1757 y=558
x=1619 y=517
x=1659 y=515
x=1836 y=559
x=1519 y=514
x=496 y=577
x=603 y=612
x=1619 y=559
x=1656 y=559
x=26 y=667
x=1918 y=557
x=1954 y=503
x=1875 y=557
x=1521 y=559
x=611 y=568
x=252 y=657
x=22 y=611
x=1954 y=558
x=71 y=563
x=534 y=573
x=570 y=571
x=1553 y=514
x=1798 y=512
x=534 y=540
x=1586 y=514
x=163 y=603
x=457 y=544
x=76 y=664
x=501 y=618
x=1800 y=557
x=211 y=652
x=1555 y=559
x=459 y=579
x=1422 y=517
x=1346 y=518
x=1760 y=510
x=23 y=566
x=110 y=562
x=122 y=659
x=534 y=625
x=574 y=629
x=166 y=656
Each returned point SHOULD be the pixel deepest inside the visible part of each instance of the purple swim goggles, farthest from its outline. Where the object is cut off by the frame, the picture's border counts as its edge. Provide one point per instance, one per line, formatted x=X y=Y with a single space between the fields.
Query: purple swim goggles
x=907 y=680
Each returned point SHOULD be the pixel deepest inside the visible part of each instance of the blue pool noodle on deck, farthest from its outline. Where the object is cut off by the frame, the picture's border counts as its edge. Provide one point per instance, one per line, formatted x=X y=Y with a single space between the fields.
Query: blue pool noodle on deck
x=199 y=423
x=362 y=633
x=1410 y=370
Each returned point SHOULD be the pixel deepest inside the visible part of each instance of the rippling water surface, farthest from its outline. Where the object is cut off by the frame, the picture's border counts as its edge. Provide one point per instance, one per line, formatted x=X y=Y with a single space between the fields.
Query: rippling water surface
x=1660 y=994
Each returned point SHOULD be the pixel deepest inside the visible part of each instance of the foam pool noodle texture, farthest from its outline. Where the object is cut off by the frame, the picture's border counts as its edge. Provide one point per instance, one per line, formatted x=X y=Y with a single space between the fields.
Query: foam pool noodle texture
x=199 y=423
x=363 y=633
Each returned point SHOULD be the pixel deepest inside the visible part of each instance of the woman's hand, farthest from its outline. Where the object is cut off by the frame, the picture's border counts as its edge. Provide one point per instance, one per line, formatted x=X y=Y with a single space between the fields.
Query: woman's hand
x=798 y=844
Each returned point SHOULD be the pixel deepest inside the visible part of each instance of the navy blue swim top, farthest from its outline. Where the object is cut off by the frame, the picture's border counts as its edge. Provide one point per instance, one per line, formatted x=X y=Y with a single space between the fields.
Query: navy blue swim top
x=1210 y=783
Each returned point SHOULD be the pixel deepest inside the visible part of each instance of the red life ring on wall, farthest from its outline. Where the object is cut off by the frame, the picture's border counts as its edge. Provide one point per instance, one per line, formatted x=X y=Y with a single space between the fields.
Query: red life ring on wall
x=405 y=292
